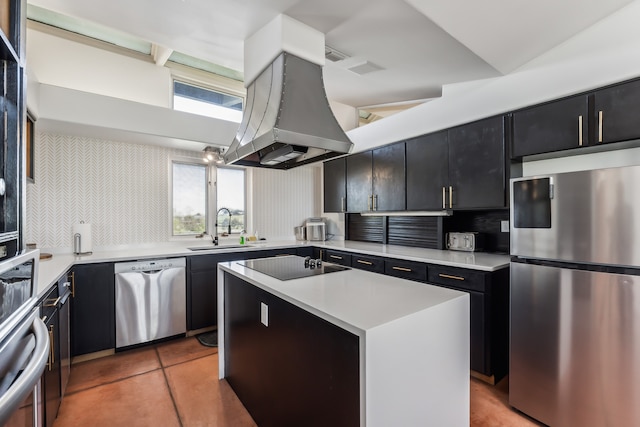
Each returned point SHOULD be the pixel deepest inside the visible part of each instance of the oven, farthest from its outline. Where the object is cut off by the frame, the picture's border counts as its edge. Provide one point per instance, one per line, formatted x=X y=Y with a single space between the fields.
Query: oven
x=24 y=342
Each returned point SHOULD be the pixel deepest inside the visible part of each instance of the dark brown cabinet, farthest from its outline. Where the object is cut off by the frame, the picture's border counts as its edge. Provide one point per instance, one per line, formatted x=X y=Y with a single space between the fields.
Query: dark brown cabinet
x=307 y=366
x=389 y=187
x=427 y=171
x=616 y=112
x=93 y=326
x=555 y=126
x=335 y=185
x=376 y=180
x=202 y=283
x=337 y=257
x=477 y=177
x=359 y=182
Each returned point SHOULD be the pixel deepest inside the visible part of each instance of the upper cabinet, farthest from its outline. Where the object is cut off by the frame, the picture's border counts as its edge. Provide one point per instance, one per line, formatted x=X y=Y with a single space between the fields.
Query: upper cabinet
x=335 y=185
x=12 y=122
x=589 y=119
x=558 y=125
x=428 y=172
x=477 y=177
x=389 y=178
x=616 y=112
x=359 y=182
x=13 y=28
x=376 y=180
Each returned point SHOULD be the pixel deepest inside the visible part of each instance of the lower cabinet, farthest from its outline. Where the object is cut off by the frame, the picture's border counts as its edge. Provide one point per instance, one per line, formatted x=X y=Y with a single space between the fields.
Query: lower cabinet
x=489 y=295
x=93 y=325
x=307 y=366
x=202 y=283
x=51 y=393
x=337 y=257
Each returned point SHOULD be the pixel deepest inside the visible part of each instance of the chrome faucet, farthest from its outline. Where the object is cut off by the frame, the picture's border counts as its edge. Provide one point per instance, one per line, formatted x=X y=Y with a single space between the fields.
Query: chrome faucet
x=215 y=237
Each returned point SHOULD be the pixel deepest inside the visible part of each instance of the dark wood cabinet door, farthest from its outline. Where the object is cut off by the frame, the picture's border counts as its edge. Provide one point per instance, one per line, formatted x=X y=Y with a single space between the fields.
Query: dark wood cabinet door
x=477 y=165
x=359 y=182
x=389 y=188
x=555 y=126
x=93 y=326
x=308 y=366
x=616 y=113
x=335 y=185
x=427 y=171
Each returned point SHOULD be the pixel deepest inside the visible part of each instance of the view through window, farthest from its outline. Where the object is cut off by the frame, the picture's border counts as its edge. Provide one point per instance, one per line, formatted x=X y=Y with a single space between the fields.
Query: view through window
x=230 y=191
x=189 y=205
x=206 y=102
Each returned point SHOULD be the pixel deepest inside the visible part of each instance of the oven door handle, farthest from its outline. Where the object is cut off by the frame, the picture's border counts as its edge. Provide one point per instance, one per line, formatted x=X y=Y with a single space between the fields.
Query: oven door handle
x=24 y=384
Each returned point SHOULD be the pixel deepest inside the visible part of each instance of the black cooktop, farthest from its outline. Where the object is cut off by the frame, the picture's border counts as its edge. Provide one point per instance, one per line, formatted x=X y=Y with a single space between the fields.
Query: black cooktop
x=291 y=267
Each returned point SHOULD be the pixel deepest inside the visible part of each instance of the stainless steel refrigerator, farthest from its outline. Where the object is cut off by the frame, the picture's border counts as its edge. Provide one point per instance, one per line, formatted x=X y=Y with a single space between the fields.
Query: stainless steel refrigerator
x=575 y=297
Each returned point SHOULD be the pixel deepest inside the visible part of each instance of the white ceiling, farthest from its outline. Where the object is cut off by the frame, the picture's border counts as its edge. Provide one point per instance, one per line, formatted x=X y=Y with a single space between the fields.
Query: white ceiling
x=421 y=45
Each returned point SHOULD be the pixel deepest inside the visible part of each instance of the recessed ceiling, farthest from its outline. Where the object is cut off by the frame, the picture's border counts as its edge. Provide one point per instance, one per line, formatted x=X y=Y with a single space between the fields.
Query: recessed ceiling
x=419 y=45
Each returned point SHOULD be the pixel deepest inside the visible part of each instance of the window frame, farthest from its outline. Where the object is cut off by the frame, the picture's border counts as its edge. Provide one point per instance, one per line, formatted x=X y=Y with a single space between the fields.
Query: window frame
x=208 y=201
x=211 y=195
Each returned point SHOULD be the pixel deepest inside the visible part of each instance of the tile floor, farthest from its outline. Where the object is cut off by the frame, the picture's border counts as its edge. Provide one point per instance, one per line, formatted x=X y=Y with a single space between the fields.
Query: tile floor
x=175 y=384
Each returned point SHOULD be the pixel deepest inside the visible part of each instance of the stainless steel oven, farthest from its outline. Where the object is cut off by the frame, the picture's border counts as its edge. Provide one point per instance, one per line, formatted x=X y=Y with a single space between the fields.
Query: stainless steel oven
x=24 y=342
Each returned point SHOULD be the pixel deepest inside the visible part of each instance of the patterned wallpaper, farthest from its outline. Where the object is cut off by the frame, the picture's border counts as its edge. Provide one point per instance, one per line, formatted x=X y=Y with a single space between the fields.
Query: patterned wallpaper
x=122 y=190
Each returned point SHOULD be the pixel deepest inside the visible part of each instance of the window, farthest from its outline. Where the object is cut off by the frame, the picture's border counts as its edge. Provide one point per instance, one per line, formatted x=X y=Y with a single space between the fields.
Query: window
x=230 y=194
x=206 y=102
x=189 y=204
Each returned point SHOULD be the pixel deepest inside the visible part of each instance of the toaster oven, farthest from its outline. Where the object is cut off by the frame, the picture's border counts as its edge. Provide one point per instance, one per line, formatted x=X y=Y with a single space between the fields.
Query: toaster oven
x=469 y=241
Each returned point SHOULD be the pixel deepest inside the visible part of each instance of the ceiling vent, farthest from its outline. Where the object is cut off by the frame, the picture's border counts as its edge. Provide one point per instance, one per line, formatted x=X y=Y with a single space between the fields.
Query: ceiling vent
x=334 y=55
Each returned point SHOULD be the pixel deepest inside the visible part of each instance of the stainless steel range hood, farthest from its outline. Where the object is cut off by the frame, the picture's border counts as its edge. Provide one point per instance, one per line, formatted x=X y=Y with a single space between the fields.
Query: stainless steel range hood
x=287 y=120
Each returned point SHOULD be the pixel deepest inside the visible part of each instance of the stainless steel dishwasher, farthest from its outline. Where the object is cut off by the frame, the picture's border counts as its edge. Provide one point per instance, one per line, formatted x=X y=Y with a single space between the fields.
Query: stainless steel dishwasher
x=150 y=300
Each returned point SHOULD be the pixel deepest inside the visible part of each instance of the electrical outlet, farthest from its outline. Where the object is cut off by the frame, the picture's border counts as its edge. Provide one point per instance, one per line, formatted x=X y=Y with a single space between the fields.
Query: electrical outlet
x=504 y=226
x=264 y=314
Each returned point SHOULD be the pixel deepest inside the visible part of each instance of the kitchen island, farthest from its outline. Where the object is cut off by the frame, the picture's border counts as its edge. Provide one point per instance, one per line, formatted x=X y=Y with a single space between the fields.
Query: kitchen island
x=349 y=347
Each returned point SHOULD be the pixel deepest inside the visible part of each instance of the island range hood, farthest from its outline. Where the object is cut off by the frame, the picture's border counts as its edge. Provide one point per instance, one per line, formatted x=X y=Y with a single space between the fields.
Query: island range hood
x=287 y=120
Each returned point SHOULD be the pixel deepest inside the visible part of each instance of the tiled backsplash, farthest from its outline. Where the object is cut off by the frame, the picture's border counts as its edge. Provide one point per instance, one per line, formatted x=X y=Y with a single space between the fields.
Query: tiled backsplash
x=122 y=189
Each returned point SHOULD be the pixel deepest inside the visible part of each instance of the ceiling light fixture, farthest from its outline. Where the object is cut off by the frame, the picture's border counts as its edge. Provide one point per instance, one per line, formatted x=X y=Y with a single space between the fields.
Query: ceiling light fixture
x=212 y=155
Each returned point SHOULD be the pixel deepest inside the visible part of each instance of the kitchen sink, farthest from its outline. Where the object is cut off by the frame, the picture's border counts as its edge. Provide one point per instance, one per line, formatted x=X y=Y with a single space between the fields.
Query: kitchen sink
x=212 y=247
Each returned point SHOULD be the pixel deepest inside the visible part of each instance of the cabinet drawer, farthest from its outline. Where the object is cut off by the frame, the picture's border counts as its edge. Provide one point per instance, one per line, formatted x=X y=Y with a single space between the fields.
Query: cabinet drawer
x=406 y=269
x=458 y=278
x=370 y=263
x=338 y=257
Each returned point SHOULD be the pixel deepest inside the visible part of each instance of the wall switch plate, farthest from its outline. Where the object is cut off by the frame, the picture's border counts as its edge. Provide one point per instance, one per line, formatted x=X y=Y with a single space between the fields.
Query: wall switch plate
x=504 y=226
x=264 y=314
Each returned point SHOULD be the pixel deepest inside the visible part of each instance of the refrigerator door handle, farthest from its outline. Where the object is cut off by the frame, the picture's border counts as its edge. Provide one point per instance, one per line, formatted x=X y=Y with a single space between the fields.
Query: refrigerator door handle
x=551 y=188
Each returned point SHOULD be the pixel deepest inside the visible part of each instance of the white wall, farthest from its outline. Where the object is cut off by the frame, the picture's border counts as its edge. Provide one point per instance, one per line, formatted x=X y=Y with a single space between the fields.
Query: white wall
x=61 y=62
x=122 y=189
x=603 y=54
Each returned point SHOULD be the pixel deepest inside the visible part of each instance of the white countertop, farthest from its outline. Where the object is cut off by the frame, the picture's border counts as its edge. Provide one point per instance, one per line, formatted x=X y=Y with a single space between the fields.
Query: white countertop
x=50 y=270
x=355 y=300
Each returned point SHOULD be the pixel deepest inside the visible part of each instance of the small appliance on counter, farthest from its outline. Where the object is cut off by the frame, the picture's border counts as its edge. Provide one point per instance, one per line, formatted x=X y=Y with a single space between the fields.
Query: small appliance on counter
x=316 y=229
x=468 y=241
x=300 y=233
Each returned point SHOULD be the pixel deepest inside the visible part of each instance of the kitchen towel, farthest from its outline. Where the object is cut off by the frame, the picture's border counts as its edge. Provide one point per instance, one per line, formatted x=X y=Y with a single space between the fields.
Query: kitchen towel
x=86 y=244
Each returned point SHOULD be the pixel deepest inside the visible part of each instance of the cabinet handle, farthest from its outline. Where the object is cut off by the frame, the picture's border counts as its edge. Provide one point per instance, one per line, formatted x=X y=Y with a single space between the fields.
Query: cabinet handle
x=335 y=257
x=408 y=270
x=600 y=126
x=364 y=262
x=450 y=197
x=49 y=303
x=580 y=130
x=342 y=203
x=321 y=253
x=51 y=347
x=72 y=277
x=448 y=276
x=369 y=202
x=444 y=197
x=375 y=202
